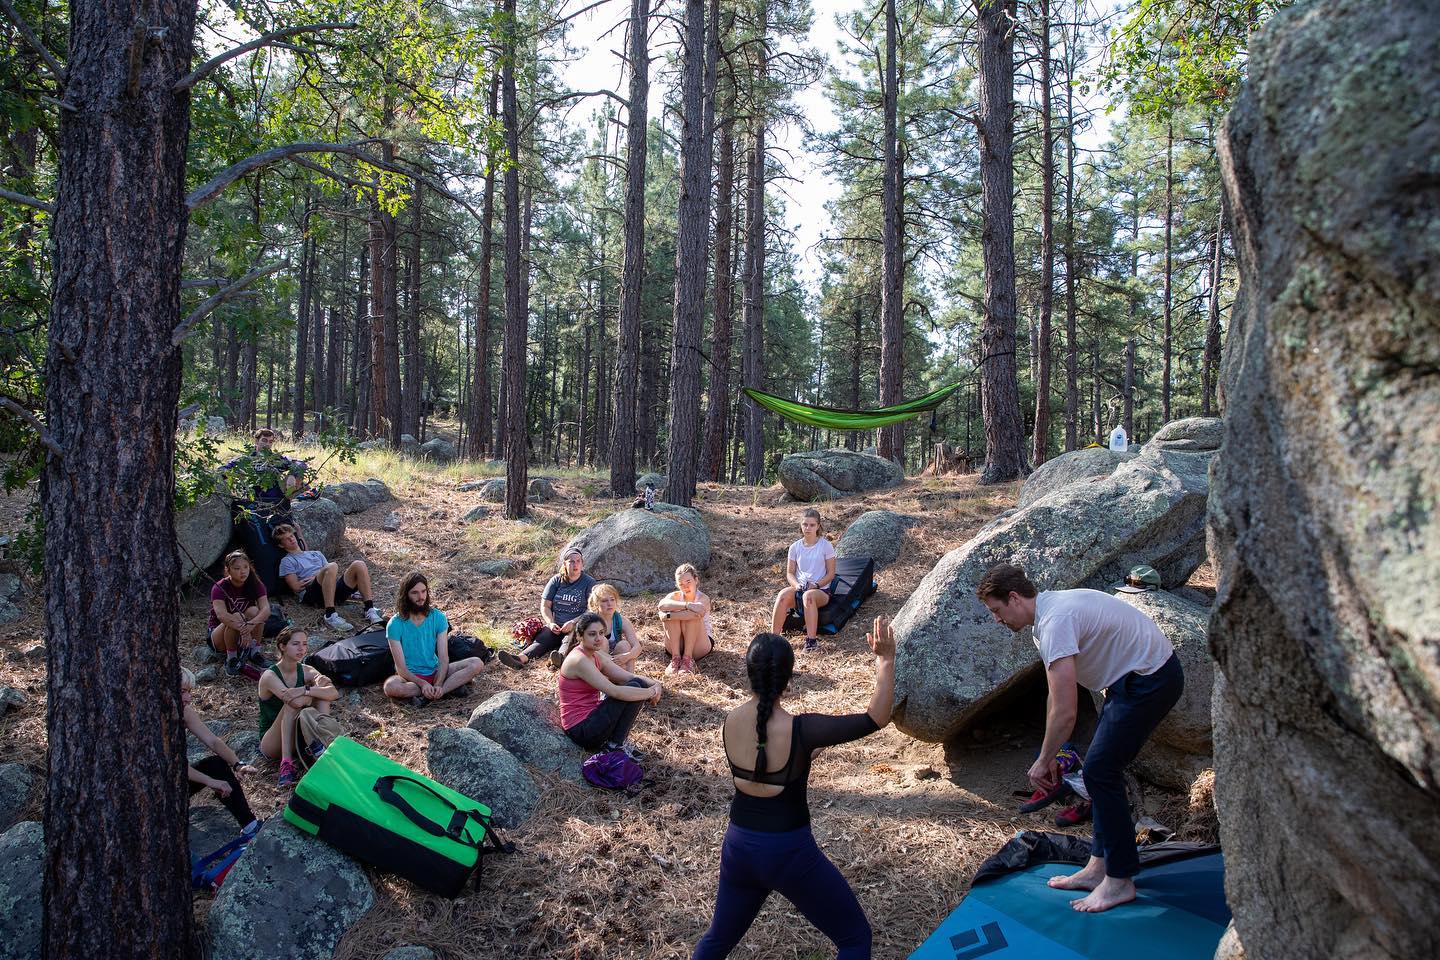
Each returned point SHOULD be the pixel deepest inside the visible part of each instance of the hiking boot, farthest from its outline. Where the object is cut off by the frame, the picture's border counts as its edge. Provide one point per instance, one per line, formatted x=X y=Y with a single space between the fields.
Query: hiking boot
x=1074 y=815
x=555 y=659
x=511 y=660
x=336 y=622
x=811 y=644
x=255 y=656
x=461 y=691
x=288 y=776
x=373 y=616
x=232 y=666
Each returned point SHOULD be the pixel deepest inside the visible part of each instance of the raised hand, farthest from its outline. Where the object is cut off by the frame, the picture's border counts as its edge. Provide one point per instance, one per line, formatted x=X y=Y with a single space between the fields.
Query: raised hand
x=882 y=638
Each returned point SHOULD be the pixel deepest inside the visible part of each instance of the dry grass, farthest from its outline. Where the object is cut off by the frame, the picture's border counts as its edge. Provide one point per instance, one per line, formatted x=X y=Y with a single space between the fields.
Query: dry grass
x=614 y=876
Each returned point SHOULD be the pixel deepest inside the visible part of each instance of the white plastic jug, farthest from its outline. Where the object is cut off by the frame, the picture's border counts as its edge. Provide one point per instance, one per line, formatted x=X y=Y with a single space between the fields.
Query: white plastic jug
x=1119 y=442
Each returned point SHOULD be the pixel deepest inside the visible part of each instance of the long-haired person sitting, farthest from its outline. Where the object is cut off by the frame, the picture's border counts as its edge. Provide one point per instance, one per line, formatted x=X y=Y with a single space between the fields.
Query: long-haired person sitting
x=768 y=845
x=599 y=699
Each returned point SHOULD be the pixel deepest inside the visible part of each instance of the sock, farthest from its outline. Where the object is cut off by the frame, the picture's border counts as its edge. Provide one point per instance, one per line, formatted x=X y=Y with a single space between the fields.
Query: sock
x=329 y=611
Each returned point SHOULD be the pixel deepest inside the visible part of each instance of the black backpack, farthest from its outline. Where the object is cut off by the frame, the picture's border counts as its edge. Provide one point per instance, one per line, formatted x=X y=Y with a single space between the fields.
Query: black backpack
x=356 y=661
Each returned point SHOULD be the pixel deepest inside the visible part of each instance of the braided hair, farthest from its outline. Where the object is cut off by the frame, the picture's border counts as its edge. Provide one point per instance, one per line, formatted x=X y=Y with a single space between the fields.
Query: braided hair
x=769 y=662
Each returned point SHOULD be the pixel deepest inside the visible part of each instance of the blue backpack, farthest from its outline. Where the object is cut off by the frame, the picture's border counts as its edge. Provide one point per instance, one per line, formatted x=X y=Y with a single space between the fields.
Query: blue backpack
x=612 y=769
x=207 y=873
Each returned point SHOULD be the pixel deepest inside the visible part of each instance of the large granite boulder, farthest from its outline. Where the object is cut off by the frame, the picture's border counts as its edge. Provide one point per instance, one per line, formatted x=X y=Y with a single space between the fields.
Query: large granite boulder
x=1326 y=627
x=202 y=531
x=409 y=446
x=1181 y=745
x=954 y=661
x=290 y=895
x=877 y=534
x=439 y=450
x=22 y=870
x=1072 y=467
x=828 y=474
x=322 y=524
x=210 y=828
x=638 y=550
x=16 y=782
x=526 y=726
x=472 y=763
x=354 y=497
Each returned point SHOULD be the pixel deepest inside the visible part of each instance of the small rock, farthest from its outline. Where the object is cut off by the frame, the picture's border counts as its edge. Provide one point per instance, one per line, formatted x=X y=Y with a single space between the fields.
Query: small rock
x=409 y=445
x=214 y=425
x=410 y=953
x=439 y=451
x=495 y=568
x=523 y=724
x=475 y=513
x=391 y=522
x=353 y=698
x=12 y=699
x=9 y=613
x=925 y=773
x=540 y=489
x=481 y=769
x=470 y=486
x=204 y=653
x=877 y=534
x=379 y=443
x=22 y=870
x=16 y=782
x=493 y=491
x=10 y=586
x=209 y=674
x=36 y=652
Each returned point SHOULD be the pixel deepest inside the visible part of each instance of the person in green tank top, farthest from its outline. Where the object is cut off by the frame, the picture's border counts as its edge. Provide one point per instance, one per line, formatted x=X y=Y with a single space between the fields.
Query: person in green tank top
x=284 y=690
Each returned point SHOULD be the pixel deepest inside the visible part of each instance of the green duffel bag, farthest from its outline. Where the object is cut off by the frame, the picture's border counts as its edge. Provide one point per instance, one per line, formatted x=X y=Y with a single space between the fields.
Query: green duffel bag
x=386 y=815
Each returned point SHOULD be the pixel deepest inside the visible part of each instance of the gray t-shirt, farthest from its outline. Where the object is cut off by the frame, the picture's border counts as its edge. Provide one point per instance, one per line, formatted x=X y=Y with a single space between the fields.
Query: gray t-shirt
x=304 y=564
x=1107 y=637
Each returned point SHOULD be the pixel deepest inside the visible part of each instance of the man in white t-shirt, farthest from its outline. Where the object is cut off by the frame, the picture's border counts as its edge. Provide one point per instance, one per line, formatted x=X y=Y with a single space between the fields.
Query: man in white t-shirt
x=1091 y=639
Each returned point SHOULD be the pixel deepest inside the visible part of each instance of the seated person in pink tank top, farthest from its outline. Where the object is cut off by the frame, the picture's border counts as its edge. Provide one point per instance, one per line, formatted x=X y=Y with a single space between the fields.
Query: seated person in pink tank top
x=599 y=700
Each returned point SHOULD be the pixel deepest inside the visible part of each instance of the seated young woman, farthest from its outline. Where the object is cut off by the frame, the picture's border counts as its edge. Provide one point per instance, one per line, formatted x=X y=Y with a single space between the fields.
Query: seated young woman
x=221 y=769
x=599 y=699
x=685 y=614
x=239 y=608
x=810 y=579
x=318 y=582
x=561 y=604
x=288 y=687
x=624 y=642
x=769 y=845
x=419 y=636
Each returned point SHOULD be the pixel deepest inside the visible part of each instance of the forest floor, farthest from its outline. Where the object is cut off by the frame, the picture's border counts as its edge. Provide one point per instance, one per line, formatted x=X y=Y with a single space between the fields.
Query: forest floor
x=606 y=875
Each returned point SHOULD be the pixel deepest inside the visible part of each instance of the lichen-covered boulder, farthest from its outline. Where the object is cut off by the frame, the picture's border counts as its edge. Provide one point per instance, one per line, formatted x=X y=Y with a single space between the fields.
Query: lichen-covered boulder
x=1072 y=467
x=355 y=497
x=470 y=762
x=290 y=895
x=638 y=550
x=540 y=489
x=1326 y=626
x=16 y=784
x=527 y=726
x=829 y=474
x=439 y=450
x=877 y=534
x=210 y=828
x=22 y=871
x=954 y=661
x=656 y=480
x=202 y=531
x=322 y=524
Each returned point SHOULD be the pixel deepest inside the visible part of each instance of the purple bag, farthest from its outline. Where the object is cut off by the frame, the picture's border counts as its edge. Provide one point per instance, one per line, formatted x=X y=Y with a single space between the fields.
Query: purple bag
x=612 y=769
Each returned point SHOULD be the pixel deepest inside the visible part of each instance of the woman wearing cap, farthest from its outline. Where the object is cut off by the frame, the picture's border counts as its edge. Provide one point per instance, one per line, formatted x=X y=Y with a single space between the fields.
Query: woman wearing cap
x=685 y=613
x=561 y=604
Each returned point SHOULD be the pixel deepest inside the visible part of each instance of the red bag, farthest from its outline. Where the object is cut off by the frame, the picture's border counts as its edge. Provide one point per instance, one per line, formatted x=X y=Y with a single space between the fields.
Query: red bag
x=524 y=630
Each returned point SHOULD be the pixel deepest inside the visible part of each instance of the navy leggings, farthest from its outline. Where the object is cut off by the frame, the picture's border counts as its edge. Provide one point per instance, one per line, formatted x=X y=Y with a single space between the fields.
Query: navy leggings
x=1134 y=707
x=753 y=863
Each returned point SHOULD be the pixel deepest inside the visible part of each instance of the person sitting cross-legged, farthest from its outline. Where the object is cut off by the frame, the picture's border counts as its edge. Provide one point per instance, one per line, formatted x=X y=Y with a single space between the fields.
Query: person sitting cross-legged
x=419 y=636
x=288 y=687
x=318 y=582
x=561 y=605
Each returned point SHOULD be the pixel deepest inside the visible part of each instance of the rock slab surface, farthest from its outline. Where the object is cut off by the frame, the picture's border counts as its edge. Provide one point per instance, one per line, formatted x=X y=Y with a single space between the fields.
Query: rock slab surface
x=472 y=763
x=830 y=474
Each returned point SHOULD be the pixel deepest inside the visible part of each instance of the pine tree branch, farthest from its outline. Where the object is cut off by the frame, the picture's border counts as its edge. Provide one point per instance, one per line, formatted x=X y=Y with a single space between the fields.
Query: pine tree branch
x=45 y=438
x=25 y=199
x=265 y=40
x=51 y=64
x=221 y=296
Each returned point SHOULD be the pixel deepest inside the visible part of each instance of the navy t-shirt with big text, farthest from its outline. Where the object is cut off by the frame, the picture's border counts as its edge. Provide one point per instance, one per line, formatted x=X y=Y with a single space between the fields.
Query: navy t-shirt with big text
x=568 y=598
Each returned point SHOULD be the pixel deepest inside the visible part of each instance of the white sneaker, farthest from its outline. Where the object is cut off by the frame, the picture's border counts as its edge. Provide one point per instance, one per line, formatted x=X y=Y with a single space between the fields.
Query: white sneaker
x=336 y=622
x=373 y=616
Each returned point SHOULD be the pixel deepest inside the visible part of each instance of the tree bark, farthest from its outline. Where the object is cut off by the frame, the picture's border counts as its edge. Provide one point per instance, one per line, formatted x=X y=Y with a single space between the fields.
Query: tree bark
x=1040 y=449
x=754 y=310
x=517 y=454
x=1000 y=388
x=1167 y=336
x=1129 y=398
x=892 y=285
x=718 y=414
x=379 y=402
x=302 y=324
x=414 y=360
x=691 y=254
x=389 y=274
x=632 y=269
x=482 y=430
x=1210 y=365
x=115 y=807
x=1072 y=343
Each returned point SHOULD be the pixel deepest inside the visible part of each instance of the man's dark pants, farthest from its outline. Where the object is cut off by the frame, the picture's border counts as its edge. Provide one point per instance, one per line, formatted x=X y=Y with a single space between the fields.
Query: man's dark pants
x=1134 y=707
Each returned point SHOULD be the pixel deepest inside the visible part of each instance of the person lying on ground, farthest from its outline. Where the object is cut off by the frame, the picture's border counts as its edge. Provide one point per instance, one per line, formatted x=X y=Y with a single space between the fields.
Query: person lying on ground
x=599 y=700
x=623 y=641
x=288 y=687
x=561 y=604
x=319 y=583
x=239 y=608
x=768 y=844
x=419 y=636
x=1091 y=639
x=221 y=769
x=809 y=579
x=274 y=477
x=685 y=615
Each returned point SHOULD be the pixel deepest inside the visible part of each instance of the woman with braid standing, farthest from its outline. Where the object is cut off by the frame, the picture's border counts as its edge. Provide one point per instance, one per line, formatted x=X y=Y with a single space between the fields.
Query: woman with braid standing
x=768 y=845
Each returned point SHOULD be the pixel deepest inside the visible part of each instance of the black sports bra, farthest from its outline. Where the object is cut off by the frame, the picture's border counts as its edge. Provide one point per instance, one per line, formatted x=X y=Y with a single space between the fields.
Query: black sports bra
x=790 y=808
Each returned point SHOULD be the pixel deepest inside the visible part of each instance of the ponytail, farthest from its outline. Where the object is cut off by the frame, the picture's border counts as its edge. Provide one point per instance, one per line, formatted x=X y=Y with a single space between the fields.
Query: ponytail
x=770 y=662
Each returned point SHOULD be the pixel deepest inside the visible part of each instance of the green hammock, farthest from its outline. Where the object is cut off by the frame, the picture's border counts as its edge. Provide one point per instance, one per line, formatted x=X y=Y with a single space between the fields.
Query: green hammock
x=832 y=418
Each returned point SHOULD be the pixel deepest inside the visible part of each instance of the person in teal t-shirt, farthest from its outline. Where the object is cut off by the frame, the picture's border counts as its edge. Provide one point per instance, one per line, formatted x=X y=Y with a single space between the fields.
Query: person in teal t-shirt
x=419 y=636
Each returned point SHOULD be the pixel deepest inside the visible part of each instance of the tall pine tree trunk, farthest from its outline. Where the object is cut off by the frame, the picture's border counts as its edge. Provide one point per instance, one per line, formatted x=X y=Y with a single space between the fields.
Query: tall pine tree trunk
x=414 y=360
x=379 y=381
x=1000 y=388
x=302 y=327
x=393 y=395
x=482 y=431
x=692 y=236
x=718 y=414
x=1167 y=334
x=115 y=875
x=754 y=360
x=632 y=269
x=1072 y=343
x=1210 y=364
x=517 y=453
x=892 y=285
x=1040 y=449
